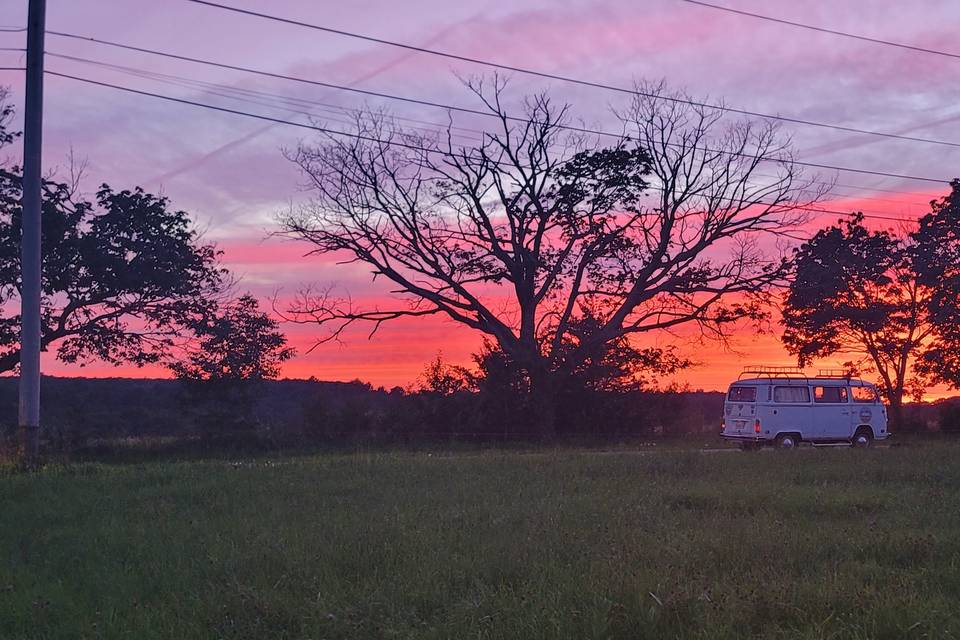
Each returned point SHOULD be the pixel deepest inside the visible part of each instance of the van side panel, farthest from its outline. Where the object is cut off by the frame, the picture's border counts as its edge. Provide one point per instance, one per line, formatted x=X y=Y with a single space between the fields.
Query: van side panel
x=791 y=409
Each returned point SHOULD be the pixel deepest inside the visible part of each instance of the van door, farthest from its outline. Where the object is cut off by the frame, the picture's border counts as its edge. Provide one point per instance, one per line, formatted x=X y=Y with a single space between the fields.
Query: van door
x=791 y=410
x=867 y=409
x=741 y=410
x=831 y=412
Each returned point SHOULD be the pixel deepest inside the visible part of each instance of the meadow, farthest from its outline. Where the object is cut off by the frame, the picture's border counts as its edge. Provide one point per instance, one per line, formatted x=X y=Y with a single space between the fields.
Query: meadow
x=825 y=543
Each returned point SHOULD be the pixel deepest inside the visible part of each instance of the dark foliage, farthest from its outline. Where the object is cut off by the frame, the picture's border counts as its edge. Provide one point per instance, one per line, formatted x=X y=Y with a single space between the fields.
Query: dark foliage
x=238 y=342
x=235 y=349
x=889 y=302
x=123 y=275
x=939 y=266
x=82 y=413
x=122 y=278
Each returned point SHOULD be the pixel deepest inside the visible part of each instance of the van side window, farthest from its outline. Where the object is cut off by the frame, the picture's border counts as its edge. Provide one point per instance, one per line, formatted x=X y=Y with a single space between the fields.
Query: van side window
x=791 y=394
x=864 y=394
x=742 y=394
x=829 y=395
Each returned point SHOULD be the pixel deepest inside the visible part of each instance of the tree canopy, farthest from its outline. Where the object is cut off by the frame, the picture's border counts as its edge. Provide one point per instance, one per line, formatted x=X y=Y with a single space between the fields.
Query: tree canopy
x=887 y=300
x=239 y=342
x=123 y=274
x=938 y=262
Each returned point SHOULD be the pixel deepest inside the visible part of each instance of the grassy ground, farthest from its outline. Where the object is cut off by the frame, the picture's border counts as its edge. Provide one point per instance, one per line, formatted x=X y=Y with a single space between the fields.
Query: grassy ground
x=661 y=544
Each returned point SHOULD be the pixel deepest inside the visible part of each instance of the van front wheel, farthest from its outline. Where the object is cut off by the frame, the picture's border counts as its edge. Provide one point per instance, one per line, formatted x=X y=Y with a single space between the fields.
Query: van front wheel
x=786 y=441
x=863 y=438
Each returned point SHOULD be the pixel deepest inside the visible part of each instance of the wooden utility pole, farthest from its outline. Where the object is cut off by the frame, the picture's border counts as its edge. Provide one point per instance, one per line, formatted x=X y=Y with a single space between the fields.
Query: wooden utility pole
x=30 y=258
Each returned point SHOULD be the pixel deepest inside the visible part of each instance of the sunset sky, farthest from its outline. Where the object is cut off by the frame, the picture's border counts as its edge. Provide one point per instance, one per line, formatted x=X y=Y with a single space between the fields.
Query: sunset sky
x=229 y=172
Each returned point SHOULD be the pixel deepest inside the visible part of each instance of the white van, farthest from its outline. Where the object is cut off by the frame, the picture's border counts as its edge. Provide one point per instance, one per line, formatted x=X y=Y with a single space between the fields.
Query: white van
x=782 y=406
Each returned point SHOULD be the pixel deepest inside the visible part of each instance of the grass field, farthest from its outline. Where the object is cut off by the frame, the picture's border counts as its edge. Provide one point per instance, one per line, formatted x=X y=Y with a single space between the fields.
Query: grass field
x=563 y=544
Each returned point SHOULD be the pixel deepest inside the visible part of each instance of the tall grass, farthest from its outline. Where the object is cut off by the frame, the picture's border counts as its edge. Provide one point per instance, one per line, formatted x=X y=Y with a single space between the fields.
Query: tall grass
x=563 y=544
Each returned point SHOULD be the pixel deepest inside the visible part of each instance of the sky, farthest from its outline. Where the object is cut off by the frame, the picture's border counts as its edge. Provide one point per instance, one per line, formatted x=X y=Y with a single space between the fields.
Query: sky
x=230 y=173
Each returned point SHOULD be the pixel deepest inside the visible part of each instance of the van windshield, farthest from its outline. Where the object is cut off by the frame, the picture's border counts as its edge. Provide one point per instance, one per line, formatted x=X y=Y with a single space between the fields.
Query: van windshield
x=742 y=394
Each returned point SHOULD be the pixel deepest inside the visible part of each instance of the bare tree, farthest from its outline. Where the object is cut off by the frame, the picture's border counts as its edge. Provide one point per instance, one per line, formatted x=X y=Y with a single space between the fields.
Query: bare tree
x=540 y=225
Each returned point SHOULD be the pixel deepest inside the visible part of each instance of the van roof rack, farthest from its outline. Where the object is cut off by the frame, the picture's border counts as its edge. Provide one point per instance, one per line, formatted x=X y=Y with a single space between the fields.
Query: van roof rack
x=793 y=373
x=761 y=371
x=835 y=373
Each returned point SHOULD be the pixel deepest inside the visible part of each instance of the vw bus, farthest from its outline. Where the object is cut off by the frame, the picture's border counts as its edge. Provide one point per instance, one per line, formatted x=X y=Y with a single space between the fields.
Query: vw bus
x=782 y=406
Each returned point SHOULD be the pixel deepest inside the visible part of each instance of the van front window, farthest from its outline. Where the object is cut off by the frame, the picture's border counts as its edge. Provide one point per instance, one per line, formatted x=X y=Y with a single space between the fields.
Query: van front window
x=742 y=394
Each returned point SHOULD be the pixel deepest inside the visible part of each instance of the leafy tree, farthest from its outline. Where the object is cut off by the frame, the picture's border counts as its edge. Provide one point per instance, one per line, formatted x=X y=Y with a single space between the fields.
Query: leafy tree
x=442 y=378
x=524 y=234
x=122 y=275
x=884 y=299
x=938 y=264
x=234 y=351
x=239 y=342
x=600 y=382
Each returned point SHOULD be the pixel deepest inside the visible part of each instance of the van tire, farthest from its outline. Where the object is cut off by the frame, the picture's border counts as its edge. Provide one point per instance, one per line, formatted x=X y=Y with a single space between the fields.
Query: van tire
x=787 y=441
x=863 y=438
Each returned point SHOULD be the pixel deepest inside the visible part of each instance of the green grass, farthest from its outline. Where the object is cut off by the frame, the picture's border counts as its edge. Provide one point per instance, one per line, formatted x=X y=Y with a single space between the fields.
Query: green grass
x=564 y=544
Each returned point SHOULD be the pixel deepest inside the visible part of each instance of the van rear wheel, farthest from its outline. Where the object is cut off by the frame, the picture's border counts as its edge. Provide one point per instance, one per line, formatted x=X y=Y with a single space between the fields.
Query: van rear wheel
x=863 y=438
x=787 y=441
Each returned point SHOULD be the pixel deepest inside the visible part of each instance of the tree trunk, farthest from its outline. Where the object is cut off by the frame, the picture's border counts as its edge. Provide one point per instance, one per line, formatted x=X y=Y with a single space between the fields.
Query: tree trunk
x=896 y=413
x=543 y=397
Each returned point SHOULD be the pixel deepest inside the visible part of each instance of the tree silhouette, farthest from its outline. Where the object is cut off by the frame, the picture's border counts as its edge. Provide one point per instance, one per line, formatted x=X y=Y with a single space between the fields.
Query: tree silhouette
x=887 y=300
x=442 y=378
x=122 y=276
x=520 y=235
x=938 y=263
x=222 y=371
x=239 y=342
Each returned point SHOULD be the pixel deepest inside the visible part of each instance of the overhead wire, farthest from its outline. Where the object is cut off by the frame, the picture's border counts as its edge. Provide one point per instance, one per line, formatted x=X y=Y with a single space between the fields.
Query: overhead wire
x=285 y=99
x=479 y=112
x=358 y=136
x=218 y=89
x=568 y=79
x=835 y=32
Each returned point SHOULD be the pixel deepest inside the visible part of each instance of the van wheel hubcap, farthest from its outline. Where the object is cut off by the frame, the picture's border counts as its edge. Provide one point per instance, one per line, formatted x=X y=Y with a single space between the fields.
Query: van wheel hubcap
x=787 y=443
x=863 y=440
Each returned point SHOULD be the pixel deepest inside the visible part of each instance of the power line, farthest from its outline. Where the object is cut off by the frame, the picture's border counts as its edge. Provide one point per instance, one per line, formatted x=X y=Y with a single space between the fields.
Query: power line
x=269 y=74
x=572 y=80
x=356 y=136
x=811 y=27
x=329 y=85
x=286 y=100
x=434 y=127
x=12 y=29
x=240 y=113
x=883 y=190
